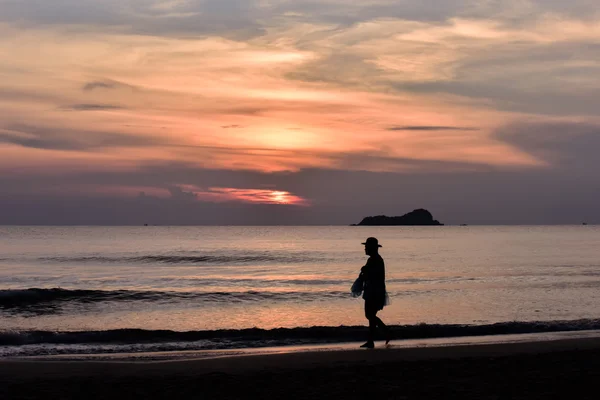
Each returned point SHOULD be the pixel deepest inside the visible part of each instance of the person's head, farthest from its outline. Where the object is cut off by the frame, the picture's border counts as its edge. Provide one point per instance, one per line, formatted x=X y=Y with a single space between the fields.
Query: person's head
x=371 y=246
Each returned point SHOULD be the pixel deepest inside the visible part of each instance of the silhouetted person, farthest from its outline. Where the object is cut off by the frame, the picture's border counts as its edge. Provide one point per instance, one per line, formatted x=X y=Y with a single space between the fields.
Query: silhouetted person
x=374 y=293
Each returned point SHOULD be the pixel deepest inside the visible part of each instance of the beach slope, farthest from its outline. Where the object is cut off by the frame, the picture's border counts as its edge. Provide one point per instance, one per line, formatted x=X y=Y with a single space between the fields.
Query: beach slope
x=536 y=370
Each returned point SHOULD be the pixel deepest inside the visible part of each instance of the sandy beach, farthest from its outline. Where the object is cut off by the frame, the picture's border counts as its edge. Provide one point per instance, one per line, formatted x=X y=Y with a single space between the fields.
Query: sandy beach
x=530 y=370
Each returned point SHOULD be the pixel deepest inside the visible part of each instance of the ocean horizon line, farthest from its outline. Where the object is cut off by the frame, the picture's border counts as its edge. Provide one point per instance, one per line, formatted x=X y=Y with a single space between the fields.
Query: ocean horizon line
x=462 y=225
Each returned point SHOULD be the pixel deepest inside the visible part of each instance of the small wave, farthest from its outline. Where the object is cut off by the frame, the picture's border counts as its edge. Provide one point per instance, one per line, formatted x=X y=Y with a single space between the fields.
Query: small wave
x=255 y=337
x=252 y=282
x=189 y=259
x=29 y=299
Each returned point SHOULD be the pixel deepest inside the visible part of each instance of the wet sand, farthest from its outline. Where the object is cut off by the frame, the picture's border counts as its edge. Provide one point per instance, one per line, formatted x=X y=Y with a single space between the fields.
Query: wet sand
x=536 y=370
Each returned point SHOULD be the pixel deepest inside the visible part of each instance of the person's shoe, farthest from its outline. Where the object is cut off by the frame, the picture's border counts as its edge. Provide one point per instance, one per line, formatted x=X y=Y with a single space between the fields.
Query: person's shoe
x=368 y=345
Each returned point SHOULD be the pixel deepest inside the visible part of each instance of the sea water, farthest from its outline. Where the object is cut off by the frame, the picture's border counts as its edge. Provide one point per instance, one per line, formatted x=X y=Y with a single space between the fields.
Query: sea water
x=98 y=289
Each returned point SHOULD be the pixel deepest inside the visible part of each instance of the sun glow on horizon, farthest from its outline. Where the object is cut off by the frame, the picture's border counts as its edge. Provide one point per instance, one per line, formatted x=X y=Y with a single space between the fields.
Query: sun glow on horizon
x=243 y=195
x=262 y=196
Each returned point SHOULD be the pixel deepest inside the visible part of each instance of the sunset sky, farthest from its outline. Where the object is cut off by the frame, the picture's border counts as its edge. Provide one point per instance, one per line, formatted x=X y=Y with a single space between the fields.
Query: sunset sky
x=298 y=112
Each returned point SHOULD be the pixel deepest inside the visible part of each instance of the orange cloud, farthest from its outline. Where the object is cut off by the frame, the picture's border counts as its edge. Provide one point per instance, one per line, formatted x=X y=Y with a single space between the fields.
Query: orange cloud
x=111 y=100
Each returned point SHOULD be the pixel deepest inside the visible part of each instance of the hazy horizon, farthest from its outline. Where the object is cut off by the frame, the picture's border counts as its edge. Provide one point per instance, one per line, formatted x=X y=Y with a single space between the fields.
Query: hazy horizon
x=149 y=225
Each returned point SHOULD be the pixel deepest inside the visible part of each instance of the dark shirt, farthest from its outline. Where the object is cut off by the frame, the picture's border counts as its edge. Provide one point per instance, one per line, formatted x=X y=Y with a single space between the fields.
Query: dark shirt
x=374 y=277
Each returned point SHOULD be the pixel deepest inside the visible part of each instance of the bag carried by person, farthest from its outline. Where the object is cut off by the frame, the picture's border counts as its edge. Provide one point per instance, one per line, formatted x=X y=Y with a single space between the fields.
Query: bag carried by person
x=357 y=286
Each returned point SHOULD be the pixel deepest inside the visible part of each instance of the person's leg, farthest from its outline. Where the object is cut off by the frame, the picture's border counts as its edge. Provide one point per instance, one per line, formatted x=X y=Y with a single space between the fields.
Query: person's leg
x=379 y=322
x=374 y=322
x=371 y=315
x=385 y=329
x=372 y=328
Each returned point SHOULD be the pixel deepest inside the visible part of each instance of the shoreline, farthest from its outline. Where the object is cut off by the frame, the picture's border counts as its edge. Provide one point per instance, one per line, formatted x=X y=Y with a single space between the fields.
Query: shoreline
x=245 y=358
x=533 y=339
x=93 y=344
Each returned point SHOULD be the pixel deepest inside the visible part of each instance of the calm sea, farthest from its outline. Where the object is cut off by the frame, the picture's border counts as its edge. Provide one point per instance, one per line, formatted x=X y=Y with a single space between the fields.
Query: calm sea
x=84 y=289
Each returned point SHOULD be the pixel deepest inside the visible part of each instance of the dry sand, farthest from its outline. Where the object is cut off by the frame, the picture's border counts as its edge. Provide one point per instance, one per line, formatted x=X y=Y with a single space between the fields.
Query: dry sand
x=536 y=370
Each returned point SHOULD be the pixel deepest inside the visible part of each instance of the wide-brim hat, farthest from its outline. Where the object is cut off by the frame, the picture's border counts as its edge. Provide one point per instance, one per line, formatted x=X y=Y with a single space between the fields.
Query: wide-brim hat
x=372 y=242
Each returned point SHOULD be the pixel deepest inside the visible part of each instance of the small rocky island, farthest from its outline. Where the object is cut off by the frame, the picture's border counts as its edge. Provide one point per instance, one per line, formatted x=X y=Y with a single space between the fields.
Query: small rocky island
x=420 y=217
